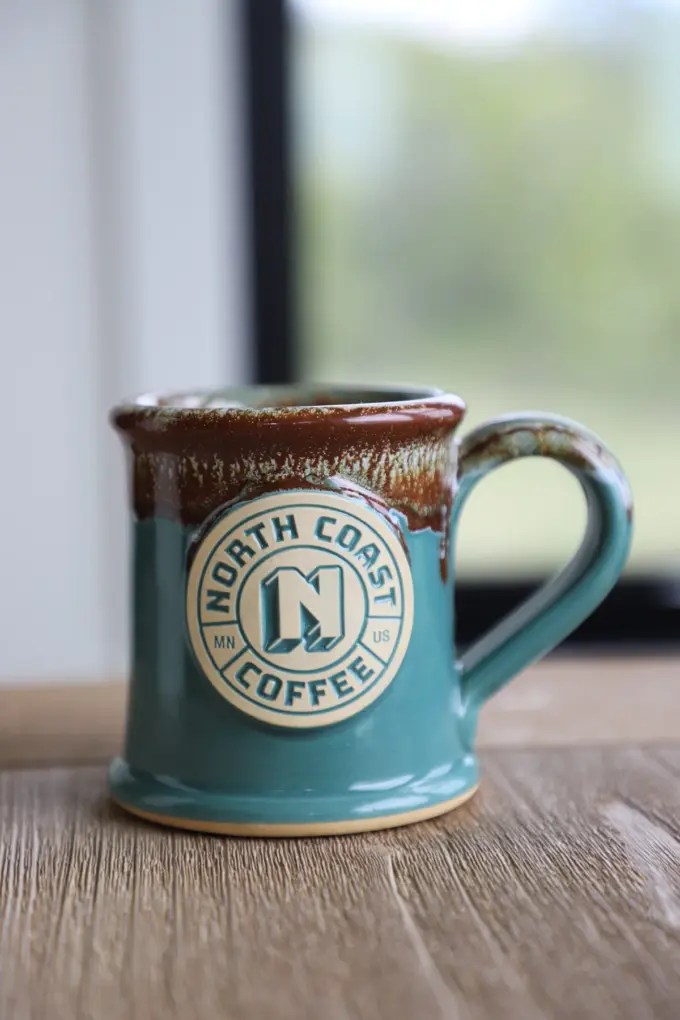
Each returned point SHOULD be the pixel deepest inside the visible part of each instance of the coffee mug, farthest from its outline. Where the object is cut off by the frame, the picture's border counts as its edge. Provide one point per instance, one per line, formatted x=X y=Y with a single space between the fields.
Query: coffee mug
x=293 y=664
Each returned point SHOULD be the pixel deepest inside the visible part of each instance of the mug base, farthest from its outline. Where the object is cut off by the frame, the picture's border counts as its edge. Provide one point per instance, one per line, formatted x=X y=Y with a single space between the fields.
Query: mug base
x=301 y=829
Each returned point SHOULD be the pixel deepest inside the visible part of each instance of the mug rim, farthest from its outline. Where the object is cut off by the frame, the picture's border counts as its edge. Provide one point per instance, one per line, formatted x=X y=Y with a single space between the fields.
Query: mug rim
x=317 y=401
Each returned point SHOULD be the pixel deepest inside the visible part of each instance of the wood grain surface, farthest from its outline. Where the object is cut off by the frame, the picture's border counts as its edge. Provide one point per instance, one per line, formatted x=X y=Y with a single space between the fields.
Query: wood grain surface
x=561 y=702
x=554 y=894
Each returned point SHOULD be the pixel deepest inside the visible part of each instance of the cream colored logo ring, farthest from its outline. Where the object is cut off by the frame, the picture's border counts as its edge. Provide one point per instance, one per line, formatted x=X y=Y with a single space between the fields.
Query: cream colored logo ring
x=300 y=607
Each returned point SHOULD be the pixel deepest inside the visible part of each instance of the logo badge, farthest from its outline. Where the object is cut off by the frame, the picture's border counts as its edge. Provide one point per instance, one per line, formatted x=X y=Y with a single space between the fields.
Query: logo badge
x=300 y=607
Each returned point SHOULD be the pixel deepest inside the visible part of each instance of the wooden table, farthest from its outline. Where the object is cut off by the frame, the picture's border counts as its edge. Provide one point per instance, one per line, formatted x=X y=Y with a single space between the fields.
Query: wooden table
x=555 y=893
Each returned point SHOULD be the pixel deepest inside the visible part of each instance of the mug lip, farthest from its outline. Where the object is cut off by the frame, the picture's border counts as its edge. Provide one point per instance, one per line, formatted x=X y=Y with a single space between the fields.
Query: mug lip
x=203 y=407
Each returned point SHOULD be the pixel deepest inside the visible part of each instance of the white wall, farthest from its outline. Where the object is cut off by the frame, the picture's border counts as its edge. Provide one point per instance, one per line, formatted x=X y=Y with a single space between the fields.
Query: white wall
x=121 y=269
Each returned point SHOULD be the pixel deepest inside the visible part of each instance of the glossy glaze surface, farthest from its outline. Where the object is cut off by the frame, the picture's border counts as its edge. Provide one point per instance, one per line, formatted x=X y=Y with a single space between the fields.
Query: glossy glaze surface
x=190 y=753
x=401 y=753
x=191 y=460
x=276 y=830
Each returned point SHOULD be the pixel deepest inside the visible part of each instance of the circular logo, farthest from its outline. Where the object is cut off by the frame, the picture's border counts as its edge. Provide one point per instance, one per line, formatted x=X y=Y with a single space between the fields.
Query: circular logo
x=300 y=607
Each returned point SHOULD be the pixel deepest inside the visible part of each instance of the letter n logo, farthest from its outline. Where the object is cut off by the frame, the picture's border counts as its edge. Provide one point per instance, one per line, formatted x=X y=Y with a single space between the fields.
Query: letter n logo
x=298 y=609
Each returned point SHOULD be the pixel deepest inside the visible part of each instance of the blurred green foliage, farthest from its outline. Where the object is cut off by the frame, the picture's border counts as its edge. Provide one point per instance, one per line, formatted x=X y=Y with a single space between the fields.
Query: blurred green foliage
x=506 y=224
x=519 y=212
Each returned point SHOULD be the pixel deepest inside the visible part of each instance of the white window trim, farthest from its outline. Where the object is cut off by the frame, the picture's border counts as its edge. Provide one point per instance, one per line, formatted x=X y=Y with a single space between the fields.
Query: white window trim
x=144 y=124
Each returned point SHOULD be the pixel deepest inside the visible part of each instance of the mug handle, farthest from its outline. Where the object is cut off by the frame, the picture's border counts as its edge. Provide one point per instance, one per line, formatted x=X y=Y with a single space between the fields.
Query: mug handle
x=560 y=605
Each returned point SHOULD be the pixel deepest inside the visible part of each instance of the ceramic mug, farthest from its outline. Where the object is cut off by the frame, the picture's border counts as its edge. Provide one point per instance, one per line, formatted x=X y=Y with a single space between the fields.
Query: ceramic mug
x=293 y=664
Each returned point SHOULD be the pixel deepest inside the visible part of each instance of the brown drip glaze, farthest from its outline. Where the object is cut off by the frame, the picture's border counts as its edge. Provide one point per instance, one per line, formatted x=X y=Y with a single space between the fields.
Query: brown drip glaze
x=341 y=485
x=573 y=446
x=188 y=461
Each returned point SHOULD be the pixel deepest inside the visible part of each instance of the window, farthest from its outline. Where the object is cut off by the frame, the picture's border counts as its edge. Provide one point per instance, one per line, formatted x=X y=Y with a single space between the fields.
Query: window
x=486 y=197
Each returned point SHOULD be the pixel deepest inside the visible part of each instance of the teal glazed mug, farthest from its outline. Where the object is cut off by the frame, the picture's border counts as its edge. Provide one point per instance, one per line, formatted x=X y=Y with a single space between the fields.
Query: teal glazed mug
x=293 y=663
